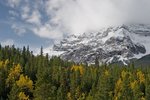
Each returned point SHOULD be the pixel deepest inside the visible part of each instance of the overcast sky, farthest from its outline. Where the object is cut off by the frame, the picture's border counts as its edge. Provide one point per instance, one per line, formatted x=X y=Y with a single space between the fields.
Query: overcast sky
x=44 y=22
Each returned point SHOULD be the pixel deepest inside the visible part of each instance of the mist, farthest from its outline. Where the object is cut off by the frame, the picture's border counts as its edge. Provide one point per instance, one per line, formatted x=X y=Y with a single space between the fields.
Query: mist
x=54 y=19
x=79 y=16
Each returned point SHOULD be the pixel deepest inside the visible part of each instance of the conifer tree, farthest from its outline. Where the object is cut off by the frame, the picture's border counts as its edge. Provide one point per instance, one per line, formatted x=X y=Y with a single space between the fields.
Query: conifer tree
x=147 y=90
x=105 y=86
x=96 y=62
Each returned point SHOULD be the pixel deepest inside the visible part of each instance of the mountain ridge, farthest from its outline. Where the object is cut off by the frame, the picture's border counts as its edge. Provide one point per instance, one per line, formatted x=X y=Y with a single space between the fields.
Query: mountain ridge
x=109 y=45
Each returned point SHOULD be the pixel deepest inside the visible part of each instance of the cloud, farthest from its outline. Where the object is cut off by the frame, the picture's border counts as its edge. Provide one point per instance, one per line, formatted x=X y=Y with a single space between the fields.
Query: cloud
x=13 y=3
x=13 y=13
x=35 y=18
x=55 y=18
x=37 y=51
x=78 y=16
x=25 y=10
x=9 y=42
x=46 y=31
x=19 y=30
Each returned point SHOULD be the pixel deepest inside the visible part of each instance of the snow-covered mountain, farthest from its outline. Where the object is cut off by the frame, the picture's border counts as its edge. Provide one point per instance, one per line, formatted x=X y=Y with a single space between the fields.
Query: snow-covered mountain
x=109 y=45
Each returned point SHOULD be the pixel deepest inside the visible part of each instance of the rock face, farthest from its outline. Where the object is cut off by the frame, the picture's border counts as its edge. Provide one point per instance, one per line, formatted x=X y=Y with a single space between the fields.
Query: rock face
x=109 y=45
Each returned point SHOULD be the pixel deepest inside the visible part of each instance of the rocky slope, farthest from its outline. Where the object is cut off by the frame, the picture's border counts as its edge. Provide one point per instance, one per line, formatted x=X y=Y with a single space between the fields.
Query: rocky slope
x=109 y=45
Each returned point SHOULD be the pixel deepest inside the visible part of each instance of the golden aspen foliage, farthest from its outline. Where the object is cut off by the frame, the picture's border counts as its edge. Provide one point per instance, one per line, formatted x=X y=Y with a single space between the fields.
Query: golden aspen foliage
x=14 y=74
x=6 y=62
x=24 y=81
x=110 y=93
x=22 y=96
x=140 y=76
x=77 y=92
x=119 y=84
x=118 y=89
x=3 y=64
x=82 y=97
x=106 y=72
x=123 y=74
x=142 y=98
x=69 y=96
x=133 y=84
x=76 y=68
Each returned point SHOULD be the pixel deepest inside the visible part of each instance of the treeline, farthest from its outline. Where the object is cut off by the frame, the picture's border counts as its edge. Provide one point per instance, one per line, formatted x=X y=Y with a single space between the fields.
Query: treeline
x=24 y=76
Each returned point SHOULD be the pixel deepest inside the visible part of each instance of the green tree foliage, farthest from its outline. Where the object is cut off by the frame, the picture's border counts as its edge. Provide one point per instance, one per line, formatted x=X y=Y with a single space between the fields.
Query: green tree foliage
x=105 y=86
x=24 y=76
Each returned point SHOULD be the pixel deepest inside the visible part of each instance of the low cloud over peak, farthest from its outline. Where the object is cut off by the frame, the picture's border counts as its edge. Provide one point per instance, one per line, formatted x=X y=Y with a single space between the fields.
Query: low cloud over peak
x=54 y=18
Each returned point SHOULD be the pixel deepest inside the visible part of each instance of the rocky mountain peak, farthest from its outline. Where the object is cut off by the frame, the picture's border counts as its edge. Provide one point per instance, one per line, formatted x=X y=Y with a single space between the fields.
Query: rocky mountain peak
x=110 y=45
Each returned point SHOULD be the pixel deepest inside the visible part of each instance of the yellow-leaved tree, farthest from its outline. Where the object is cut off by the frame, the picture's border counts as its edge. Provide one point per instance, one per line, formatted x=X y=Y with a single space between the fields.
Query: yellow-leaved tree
x=122 y=90
x=25 y=83
x=78 y=68
x=14 y=74
x=20 y=85
x=22 y=96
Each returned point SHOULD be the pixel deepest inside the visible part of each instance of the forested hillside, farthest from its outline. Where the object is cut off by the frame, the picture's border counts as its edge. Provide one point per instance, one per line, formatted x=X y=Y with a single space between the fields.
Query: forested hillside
x=24 y=76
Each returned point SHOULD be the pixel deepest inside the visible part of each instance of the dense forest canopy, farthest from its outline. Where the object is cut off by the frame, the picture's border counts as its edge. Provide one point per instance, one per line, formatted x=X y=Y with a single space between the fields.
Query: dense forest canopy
x=24 y=76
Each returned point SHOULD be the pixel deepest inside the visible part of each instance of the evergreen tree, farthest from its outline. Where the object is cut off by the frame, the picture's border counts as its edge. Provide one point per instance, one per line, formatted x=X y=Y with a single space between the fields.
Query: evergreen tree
x=96 y=62
x=147 y=90
x=105 y=86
